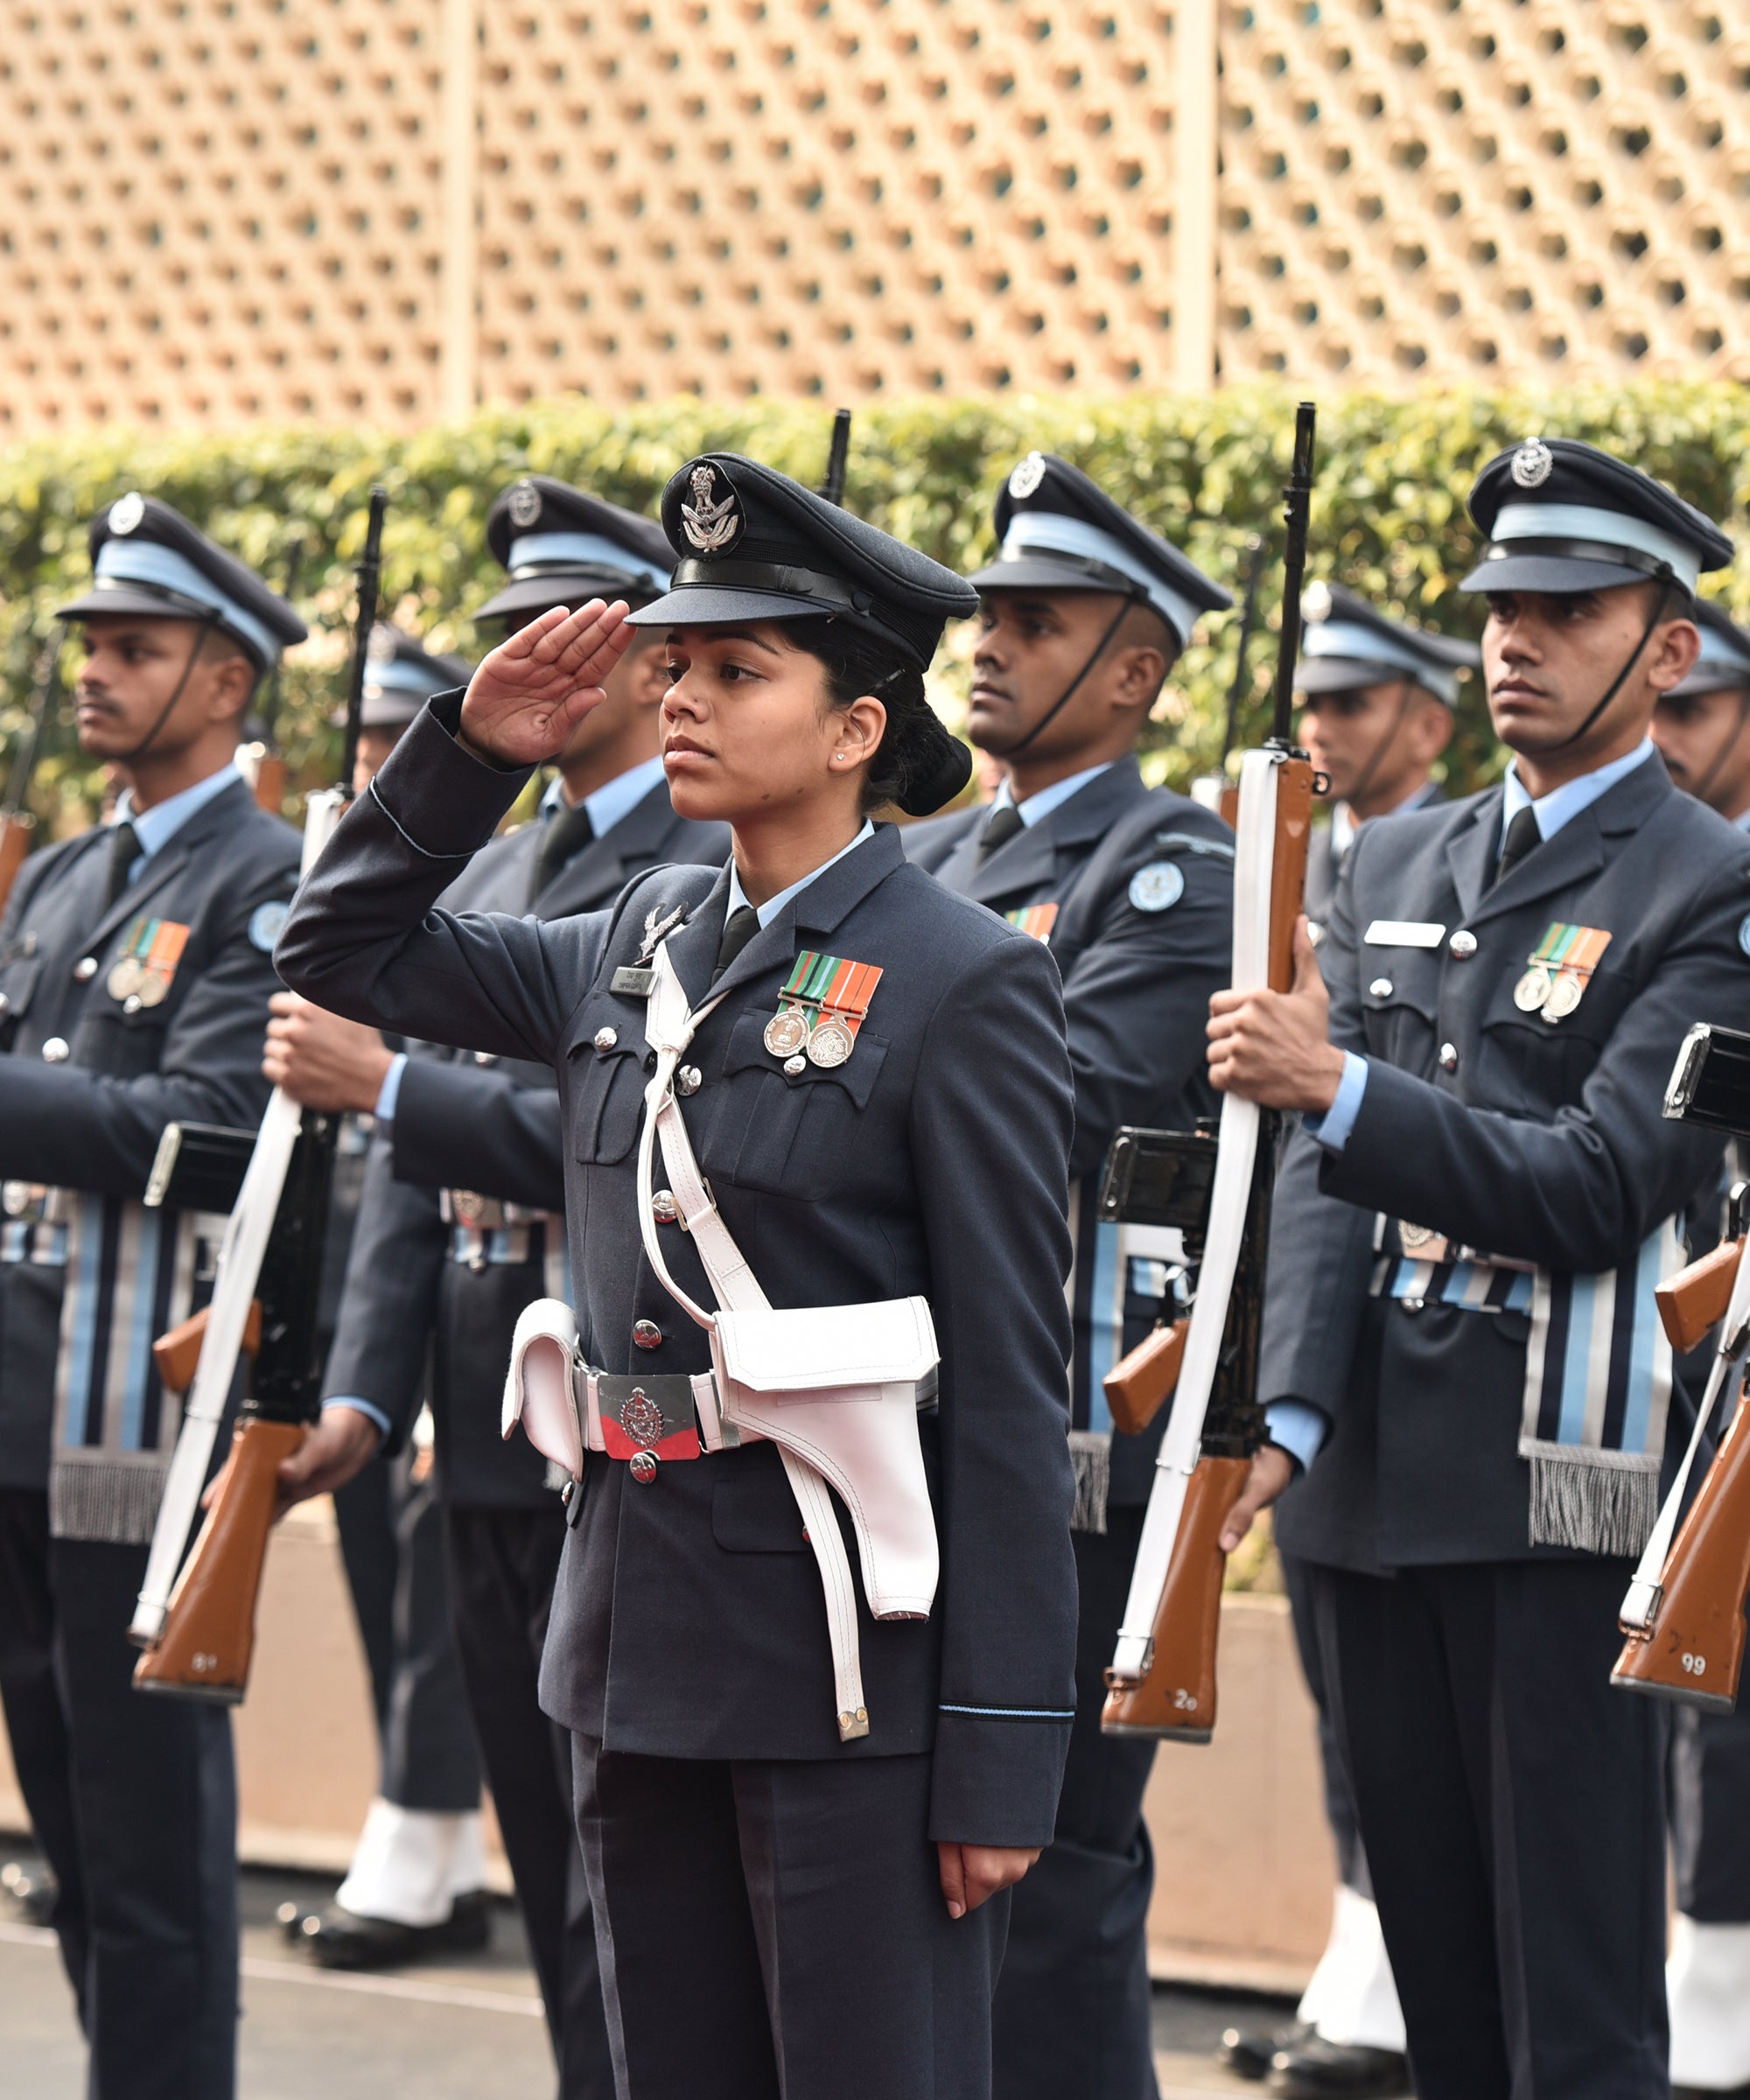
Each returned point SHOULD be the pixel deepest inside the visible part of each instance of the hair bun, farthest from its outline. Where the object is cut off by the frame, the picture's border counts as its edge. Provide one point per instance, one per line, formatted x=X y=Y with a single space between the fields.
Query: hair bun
x=937 y=766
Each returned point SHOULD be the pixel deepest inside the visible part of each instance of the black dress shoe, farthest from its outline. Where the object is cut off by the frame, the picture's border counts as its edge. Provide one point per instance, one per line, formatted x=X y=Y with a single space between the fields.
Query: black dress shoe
x=340 y=1939
x=1248 y=2052
x=33 y=1889
x=1317 y=2069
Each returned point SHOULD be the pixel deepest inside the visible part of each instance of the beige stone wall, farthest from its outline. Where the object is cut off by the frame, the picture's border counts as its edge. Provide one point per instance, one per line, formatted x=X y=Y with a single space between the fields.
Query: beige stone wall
x=220 y=211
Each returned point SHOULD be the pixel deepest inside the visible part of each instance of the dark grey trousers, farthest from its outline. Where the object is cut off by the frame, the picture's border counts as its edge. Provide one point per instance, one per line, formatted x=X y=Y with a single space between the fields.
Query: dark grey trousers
x=133 y=1799
x=1513 y=1807
x=1711 y=1813
x=1073 y=2012
x=773 y=1929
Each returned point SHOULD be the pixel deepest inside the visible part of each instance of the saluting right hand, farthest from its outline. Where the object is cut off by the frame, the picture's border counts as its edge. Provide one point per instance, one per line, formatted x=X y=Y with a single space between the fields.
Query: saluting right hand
x=528 y=696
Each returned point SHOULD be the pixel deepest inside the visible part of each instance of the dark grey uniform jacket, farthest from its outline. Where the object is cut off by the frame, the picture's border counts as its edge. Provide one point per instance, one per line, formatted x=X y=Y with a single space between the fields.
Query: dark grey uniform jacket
x=1137 y=986
x=493 y=1128
x=1536 y=1140
x=1323 y=868
x=688 y=1620
x=91 y=1120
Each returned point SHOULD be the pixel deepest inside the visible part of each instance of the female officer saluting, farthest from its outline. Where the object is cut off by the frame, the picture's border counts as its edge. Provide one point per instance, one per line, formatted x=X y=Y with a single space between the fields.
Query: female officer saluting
x=795 y=1795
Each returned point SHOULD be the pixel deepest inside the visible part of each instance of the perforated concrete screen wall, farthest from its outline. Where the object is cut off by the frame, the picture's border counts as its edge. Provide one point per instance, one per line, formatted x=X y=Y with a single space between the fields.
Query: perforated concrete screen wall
x=222 y=211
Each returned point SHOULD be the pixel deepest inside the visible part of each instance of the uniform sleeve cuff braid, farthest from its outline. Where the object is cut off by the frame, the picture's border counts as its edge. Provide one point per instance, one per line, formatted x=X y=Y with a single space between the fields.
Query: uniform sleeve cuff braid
x=997 y=1773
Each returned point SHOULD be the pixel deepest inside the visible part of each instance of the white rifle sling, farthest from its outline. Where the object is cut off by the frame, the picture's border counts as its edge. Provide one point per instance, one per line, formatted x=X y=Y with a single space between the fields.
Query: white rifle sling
x=240 y=1254
x=1235 y=1155
x=1641 y=1604
x=836 y=1388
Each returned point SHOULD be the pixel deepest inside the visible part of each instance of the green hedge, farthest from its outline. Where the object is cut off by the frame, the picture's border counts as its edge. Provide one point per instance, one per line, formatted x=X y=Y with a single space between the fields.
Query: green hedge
x=1388 y=518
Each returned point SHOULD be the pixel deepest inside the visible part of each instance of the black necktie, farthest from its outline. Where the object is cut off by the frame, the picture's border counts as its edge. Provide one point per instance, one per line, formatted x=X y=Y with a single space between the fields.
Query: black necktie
x=999 y=827
x=1522 y=835
x=569 y=830
x=124 y=850
x=738 y=929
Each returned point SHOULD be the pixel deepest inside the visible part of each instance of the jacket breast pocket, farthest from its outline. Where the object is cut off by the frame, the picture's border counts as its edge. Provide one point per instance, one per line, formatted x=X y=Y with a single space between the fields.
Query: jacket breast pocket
x=1400 y=998
x=605 y=1093
x=791 y=1133
x=123 y=1045
x=1525 y=1062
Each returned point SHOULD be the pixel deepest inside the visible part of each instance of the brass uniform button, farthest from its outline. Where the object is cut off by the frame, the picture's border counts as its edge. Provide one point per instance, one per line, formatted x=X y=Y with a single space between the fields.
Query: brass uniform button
x=607 y=1038
x=646 y=1334
x=55 y=1051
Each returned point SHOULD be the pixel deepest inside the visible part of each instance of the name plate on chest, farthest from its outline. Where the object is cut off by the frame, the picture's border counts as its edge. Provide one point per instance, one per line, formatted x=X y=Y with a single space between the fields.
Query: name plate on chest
x=1404 y=933
x=632 y=982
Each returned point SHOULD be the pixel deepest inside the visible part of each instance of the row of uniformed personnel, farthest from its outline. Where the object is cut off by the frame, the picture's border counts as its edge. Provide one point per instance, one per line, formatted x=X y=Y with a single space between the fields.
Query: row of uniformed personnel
x=1083 y=612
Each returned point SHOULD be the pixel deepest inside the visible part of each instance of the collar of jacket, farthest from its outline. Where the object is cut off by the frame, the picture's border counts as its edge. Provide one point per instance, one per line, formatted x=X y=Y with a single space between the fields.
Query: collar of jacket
x=597 y=871
x=1030 y=857
x=1573 y=855
x=226 y=808
x=819 y=909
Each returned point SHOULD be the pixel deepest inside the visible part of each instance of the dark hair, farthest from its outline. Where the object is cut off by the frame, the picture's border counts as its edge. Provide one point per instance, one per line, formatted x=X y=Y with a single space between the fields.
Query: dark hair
x=917 y=764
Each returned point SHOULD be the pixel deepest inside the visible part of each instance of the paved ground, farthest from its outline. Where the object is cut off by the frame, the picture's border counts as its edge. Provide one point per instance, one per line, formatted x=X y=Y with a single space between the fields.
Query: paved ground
x=470 y=2029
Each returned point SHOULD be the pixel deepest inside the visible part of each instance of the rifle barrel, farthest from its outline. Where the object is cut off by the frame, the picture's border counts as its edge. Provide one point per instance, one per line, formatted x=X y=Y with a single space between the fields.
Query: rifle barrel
x=25 y=759
x=1295 y=512
x=1237 y=690
x=370 y=575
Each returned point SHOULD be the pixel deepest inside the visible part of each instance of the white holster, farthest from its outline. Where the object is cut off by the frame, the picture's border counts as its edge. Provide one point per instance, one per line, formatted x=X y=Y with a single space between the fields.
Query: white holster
x=836 y=1388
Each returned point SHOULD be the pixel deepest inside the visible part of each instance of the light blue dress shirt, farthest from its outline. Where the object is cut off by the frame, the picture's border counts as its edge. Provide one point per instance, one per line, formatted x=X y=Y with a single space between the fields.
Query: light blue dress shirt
x=1047 y=799
x=772 y=905
x=155 y=828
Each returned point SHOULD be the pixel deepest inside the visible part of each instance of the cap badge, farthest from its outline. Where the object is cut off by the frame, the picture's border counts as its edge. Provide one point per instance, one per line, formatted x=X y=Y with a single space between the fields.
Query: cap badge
x=1532 y=464
x=127 y=512
x=1315 y=602
x=1027 y=476
x=525 y=505
x=709 y=525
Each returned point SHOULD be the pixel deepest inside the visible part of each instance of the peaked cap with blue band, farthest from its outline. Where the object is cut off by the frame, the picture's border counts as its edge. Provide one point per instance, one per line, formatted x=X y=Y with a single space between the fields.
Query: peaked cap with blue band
x=752 y=545
x=563 y=546
x=401 y=677
x=1723 y=663
x=1346 y=643
x=148 y=559
x=1563 y=516
x=1059 y=531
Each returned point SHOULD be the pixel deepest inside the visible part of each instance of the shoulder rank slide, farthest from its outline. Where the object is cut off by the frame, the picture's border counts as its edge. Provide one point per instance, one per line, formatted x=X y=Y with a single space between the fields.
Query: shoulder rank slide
x=825 y=1002
x=1034 y=920
x=1558 y=969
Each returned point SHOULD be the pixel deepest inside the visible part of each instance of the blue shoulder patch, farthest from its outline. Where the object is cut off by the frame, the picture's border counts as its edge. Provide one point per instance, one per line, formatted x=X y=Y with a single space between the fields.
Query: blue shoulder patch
x=267 y=922
x=1158 y=886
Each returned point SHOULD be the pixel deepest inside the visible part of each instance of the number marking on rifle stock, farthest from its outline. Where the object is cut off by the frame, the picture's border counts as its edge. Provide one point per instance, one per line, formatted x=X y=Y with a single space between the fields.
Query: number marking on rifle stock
x=1695 y=1665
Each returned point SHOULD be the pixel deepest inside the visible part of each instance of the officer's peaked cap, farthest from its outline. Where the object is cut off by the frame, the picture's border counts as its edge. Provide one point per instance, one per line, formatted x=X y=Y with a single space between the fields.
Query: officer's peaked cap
x=1060 y=531
x=1346 y=643
x=401 y=677
x=563 y=546
x=1724 y=659
x=751 y=544
x=1563 y=516
x=147 y=559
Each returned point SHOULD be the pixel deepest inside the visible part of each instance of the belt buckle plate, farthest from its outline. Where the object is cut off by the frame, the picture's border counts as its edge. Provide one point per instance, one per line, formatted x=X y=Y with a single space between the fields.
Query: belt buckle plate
x=641 y=1416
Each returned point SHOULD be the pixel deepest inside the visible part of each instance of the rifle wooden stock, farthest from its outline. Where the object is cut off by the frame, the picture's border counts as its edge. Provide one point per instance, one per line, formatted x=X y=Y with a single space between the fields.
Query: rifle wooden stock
x=270 y=777
x=1288 y=870
x=1228 y=804
x=15 y=843
x=1695 y=1298
x=210 y=1633
x=177 y=1353
x=1694 y=1649
x=1139 y=1383
x=1176 y=1699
